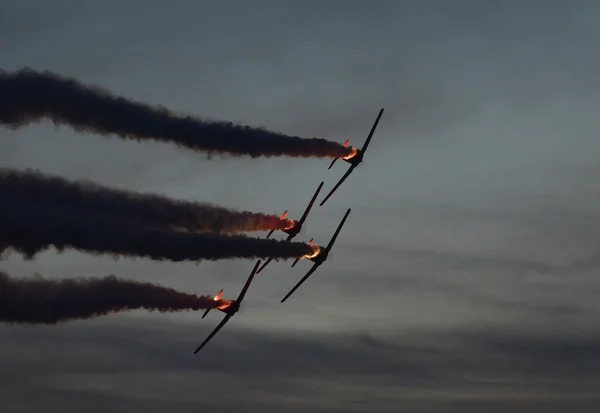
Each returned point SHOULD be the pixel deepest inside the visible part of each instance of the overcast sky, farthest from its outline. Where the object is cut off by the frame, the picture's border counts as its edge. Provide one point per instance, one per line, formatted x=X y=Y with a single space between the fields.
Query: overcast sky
x=466 y=277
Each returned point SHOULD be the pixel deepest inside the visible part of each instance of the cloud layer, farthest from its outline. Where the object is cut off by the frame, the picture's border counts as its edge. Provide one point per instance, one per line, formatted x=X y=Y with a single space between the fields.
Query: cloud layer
x=149 y=366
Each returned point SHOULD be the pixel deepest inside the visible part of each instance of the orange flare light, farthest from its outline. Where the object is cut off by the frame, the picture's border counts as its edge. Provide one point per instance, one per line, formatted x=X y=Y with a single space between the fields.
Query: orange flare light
x=316 y=250
x=352 y=154
x=225 y=303
x=290 y=224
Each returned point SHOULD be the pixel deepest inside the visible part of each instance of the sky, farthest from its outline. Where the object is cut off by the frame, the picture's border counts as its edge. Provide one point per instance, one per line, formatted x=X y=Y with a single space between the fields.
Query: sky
x=466 y=276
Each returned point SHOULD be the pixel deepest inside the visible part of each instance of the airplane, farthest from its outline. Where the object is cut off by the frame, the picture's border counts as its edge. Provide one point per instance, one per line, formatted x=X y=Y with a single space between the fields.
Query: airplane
x=297 y=227
x=353 y=159
x=231 y=309
x=319 y=258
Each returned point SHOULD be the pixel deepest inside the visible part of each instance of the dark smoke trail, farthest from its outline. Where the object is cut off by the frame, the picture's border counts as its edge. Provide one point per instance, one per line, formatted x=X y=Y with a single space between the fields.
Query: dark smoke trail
x=37 y=300
x=27 y=96
x=31 y=228
x=36 y=187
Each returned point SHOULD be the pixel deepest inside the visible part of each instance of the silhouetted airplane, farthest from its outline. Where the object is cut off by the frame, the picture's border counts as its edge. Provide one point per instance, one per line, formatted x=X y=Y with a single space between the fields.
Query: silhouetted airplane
x=231 y=309
x=353 y=159
x=295 y=230
x=320 y=258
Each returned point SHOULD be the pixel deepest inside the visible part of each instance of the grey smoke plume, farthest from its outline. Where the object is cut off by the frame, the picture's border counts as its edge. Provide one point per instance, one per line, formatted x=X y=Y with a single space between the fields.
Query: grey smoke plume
x=27 y=96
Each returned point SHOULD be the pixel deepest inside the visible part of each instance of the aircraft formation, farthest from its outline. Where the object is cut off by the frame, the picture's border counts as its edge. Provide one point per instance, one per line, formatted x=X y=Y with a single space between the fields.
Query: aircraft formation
x=40 y=211
x=321 y=254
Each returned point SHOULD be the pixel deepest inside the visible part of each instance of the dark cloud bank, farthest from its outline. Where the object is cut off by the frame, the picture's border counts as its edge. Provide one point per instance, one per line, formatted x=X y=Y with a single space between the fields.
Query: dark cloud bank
x=148 y=367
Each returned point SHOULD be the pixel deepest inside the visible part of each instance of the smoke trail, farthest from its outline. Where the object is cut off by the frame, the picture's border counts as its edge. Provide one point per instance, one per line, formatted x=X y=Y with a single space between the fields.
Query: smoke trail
x=36 y=300
x=27 y=96
x=36 y=187
x=30 y=229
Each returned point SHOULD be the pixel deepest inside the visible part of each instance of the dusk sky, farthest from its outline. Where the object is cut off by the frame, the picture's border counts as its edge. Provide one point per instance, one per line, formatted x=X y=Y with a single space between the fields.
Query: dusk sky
x=466 y=278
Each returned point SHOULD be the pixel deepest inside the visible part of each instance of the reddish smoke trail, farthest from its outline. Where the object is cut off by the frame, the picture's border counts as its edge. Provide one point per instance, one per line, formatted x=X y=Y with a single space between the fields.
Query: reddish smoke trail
x=32 y=228
x=37 y=300
x=155 y=210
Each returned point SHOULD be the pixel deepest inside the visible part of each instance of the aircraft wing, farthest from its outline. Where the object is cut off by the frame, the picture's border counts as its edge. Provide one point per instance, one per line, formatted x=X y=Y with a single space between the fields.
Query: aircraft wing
x=310 y=204
x=264 y=265
x=271 y=258
x=366 y=144
x=250 y=278
x=341 y=181
x=289 y=238
x=308 y=274
x=337 y=231
x=215 y=331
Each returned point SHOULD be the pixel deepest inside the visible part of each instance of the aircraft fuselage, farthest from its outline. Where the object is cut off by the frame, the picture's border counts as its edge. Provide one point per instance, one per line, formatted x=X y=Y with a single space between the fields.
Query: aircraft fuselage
x=321 y=258
x=232 y=309
x=356 y=159
x=295 y=230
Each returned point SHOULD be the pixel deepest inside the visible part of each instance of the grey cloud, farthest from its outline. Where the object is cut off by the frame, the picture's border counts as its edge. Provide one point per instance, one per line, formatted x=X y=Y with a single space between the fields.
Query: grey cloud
x=143 y=364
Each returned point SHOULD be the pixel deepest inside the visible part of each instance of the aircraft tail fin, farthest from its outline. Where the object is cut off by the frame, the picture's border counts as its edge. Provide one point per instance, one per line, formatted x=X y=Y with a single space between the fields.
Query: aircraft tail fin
x=335 y=159
x=298 y=259
x=264 y=265
x=281 y=217
x=216 y=297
